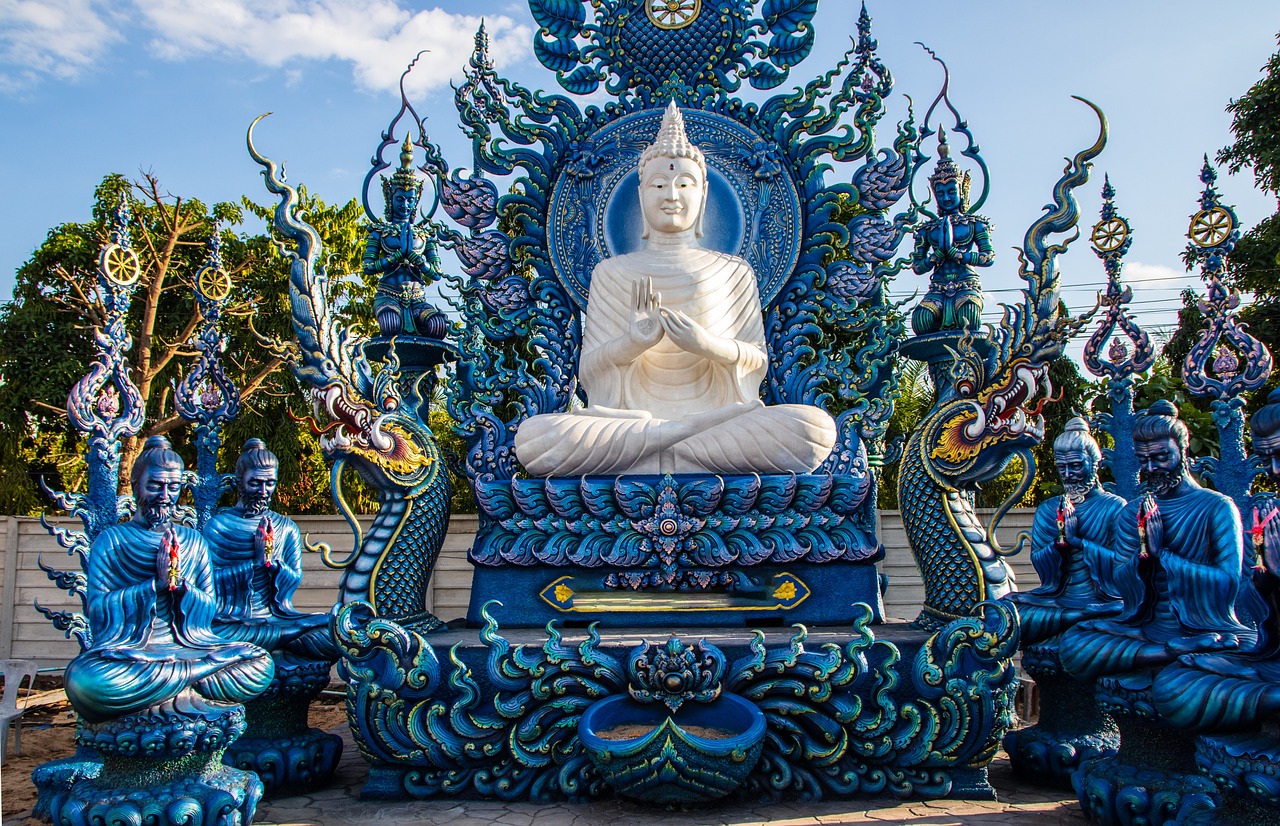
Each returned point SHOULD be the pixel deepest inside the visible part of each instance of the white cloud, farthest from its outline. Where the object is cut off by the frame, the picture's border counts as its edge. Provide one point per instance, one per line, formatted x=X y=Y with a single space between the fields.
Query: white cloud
x=43 y=38
x=377 y=37
x=1164 y=277
x=65 y=38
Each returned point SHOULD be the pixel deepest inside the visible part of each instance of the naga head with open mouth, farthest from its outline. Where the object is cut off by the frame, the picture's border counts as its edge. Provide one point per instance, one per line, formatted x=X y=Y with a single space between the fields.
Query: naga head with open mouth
x=383 y=440
x=985 y=420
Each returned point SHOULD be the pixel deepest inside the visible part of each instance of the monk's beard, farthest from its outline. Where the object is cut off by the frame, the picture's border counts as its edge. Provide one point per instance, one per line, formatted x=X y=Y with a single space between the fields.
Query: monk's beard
x=158 y=513
x=1162 y=482
x=255 y=504
x=1077 y=491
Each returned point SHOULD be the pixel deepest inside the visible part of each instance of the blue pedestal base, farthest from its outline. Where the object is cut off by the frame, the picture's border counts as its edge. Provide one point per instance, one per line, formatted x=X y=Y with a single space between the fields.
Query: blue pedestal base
x=287 y=755
x=849 y=712
x=1154 y=776
x=203 y=791
x=765 y=594
x=1246 y=767
x=58 y=776
x=1072 y=729
x=163 y=767
x=697 y=549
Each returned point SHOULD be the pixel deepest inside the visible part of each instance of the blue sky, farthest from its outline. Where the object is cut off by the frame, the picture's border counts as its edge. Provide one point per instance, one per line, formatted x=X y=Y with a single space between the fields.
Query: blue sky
x=89 y=87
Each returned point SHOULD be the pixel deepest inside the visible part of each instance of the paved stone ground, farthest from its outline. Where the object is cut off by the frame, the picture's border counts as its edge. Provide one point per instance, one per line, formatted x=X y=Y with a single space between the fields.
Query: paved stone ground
x=340 y=805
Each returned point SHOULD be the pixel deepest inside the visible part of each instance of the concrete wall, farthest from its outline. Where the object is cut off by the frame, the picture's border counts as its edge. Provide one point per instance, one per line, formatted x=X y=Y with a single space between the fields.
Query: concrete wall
x=26 y=634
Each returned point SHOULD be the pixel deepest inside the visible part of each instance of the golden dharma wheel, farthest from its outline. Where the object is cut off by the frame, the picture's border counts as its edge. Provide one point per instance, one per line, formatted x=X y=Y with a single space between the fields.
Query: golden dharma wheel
x=1210 y=227
x=1109 y=235
x=672 y=14
x=120 y=264
x=214 y=283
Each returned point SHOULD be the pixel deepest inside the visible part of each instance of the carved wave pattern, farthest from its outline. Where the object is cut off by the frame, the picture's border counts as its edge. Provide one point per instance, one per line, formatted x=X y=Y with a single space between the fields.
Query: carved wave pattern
x=699 y=521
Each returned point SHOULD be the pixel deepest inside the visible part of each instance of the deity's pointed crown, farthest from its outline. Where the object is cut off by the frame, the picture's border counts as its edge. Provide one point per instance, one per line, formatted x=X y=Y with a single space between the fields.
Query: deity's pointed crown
x=403 y=178
x=947 y=170
x=672 y=141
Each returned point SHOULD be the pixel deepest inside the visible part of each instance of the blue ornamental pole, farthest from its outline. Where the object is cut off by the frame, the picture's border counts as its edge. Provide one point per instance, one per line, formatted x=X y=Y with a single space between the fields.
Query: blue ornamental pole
x=206 y=396
x=106 y=406
x=1130 y=351
x=1226 y=362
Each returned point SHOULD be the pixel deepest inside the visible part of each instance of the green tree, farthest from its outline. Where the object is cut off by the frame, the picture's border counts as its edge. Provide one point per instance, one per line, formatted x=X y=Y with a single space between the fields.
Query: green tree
x=914 y=400
x=46 y=336
x=1254 y=264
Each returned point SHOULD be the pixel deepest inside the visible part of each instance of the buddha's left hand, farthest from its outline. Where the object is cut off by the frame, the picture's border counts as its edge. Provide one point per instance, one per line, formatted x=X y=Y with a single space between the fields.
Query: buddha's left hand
x=692 y=337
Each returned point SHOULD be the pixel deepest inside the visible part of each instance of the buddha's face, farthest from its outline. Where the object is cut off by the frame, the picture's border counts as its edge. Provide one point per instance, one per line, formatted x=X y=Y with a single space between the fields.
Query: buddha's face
x=1076 y=471
x=1268 y=449
x=257 y=487
x=948 y=195
x=671 y=194
x=1160 y=464
x=157 y=491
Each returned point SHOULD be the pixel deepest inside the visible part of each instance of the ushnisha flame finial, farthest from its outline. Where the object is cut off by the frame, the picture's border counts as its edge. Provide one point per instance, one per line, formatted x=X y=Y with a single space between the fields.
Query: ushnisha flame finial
x=672 y=141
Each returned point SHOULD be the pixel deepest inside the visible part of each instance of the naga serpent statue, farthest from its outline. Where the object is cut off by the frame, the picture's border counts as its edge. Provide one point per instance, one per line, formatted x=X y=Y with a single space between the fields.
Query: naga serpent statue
x=377 y=425
x=991 y=387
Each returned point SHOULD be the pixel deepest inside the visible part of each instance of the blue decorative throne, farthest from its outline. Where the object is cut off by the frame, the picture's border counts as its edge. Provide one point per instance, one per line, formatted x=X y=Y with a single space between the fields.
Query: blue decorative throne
x=511 y=714
x=713 y=550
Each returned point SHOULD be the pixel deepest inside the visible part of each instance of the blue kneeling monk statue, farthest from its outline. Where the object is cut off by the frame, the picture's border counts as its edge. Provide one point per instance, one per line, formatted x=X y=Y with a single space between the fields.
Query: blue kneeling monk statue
x=1178 y=566
x=151 y=606
x=257 y=566
x=1071 y=541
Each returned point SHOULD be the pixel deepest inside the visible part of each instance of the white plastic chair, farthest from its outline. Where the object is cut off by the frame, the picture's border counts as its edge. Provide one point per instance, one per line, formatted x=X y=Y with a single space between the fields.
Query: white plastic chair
x=14 y=672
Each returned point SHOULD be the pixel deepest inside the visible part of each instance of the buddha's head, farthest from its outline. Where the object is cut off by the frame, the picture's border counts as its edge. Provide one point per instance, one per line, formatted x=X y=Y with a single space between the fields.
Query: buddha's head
x=1076 y=456
x=673 y=180
x=950 y=186
x=1264 y=427
x=1160 y=442
x=157 y=477
x=403 y=189
x=257 y=471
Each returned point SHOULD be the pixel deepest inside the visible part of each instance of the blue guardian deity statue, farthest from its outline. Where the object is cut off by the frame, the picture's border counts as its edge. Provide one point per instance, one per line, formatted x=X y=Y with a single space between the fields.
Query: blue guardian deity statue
x=151 y=607
x=257 y=567
x=1071 y=543
x=404 y=258
x=1178 y=569
x=947 y=248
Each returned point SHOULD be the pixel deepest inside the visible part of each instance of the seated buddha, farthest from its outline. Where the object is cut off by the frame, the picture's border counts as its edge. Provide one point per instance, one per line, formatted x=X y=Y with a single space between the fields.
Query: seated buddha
x=673 y=352
x=150 y=605
x=1238 y=690
x=1071 y=540
x=1178 y=566
x=257 y=567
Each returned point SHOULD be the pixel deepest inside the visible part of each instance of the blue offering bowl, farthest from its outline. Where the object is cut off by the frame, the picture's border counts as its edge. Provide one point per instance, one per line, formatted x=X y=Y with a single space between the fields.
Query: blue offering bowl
x=698 y=753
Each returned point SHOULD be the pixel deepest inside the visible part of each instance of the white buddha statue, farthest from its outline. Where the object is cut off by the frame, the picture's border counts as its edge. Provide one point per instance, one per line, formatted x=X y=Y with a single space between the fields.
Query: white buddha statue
x=673 y=352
